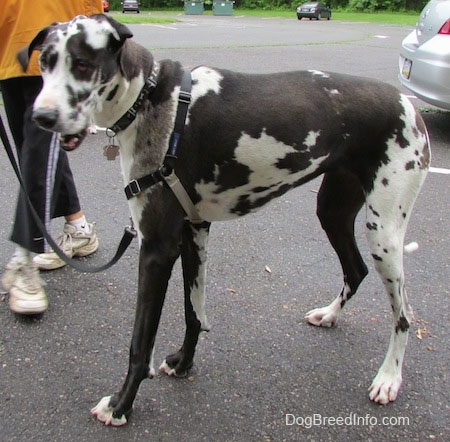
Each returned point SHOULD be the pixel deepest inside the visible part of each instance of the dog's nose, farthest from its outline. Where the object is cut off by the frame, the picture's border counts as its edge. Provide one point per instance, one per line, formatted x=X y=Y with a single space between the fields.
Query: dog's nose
x=45 y=117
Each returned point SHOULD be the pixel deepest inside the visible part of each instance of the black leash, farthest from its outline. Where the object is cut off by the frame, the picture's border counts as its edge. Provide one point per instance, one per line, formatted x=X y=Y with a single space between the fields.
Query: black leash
x=127 y=237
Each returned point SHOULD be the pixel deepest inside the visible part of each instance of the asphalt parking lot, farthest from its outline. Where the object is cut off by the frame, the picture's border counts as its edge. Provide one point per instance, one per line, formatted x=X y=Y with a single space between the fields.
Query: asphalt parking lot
x=261 y=373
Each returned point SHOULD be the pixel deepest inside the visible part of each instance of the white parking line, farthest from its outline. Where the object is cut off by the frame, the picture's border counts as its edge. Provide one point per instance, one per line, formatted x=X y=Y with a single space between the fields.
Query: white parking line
x=440 y=170
x=166 y=27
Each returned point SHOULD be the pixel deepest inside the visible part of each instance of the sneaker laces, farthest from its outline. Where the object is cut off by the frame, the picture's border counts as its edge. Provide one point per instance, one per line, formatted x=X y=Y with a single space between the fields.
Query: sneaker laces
x=15 y=264
x=30 y=280
x=78 y=233
x=64 y=242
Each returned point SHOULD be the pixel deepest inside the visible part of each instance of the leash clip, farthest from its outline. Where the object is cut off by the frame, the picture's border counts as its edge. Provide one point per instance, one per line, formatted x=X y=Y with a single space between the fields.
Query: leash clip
x=110 y=133
x=130 y=230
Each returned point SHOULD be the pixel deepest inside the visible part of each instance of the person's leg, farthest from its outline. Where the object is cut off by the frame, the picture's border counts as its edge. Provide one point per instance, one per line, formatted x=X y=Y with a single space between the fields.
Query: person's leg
x=35 y=148
x=78 y=237
x=21 y=277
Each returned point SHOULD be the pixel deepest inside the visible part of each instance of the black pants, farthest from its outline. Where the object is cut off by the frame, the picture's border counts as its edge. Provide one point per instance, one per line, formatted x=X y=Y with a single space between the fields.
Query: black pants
x=44 y=166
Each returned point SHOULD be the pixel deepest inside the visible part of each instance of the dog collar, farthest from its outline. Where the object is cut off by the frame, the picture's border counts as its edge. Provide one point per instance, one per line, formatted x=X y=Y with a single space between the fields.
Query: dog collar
x=126 y=119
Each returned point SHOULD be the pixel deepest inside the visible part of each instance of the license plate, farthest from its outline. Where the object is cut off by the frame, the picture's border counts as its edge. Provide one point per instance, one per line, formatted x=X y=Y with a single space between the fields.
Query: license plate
x=406 y=69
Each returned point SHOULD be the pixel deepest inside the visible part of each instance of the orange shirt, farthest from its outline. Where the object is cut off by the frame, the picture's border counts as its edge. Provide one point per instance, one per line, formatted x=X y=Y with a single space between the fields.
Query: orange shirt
x=20 y=22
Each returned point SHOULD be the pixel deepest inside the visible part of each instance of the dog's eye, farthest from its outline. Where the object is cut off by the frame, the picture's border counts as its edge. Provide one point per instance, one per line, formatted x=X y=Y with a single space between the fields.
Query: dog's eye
x=48 y=60
x=81 y=65
x=43 y=63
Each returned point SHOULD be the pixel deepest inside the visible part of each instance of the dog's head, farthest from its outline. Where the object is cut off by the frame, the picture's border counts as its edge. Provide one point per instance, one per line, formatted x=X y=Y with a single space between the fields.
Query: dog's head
x=77 y=60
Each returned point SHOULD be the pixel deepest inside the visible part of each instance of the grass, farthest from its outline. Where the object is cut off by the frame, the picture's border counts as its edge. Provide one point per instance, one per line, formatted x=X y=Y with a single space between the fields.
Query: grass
x=142 y=18
x=393 y=18
x=169 y=16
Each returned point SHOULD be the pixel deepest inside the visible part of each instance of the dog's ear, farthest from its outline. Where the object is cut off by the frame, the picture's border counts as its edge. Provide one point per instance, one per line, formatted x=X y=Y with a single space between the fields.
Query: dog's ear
x=123 y=31
x=118 y=38
x=23 y=56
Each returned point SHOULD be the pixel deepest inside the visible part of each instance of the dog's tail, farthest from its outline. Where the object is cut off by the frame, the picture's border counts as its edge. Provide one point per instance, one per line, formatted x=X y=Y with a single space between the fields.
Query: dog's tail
x=411 y=247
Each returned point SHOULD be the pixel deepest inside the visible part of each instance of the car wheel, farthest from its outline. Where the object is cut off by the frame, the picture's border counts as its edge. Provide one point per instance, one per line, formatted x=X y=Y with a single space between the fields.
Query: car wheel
x=299 y=17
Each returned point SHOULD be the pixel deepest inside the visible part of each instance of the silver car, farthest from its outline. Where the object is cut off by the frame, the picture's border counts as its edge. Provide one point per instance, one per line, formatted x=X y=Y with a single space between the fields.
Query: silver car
x=424 y=60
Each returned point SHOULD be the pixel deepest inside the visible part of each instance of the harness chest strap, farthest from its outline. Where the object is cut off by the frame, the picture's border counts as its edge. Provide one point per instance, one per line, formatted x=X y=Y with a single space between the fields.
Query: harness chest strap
x=183 y=198
x=166 y=173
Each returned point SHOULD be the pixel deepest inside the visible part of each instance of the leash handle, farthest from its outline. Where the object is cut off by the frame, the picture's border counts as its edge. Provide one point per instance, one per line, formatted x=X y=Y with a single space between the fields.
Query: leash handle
x=128 y=235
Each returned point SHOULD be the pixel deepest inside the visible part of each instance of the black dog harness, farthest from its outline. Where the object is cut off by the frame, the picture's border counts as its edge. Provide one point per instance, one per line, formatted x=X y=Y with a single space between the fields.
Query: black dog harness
x=166 y=172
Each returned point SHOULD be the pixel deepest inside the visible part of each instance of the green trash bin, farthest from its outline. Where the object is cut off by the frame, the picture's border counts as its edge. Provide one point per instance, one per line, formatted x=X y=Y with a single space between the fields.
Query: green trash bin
x=224 y=7
x=193 y=7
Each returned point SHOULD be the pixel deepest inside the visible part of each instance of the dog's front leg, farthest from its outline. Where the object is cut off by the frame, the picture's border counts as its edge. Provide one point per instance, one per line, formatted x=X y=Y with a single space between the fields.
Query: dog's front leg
x=193 y=257
x=155 y=266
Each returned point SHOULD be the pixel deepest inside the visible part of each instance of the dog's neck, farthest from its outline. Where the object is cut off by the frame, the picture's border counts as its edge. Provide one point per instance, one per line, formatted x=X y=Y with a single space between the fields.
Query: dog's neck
x=135 y=64
x=120 y=96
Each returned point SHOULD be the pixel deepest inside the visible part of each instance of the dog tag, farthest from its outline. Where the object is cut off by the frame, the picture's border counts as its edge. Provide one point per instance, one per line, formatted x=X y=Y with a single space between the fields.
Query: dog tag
x=111 y=151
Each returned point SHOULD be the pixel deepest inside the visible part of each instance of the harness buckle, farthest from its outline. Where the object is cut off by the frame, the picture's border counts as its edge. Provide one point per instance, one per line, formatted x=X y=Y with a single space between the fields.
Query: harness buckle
x=184 y=97
x=135 y=188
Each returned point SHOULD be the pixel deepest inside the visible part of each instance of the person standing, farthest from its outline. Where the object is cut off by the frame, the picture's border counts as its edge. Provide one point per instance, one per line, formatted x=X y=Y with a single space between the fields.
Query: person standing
x=44 y=166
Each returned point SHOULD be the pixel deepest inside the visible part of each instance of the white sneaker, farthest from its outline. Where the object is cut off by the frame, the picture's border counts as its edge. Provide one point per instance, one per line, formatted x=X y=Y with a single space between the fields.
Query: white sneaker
x=11 y=271
x=26 y=295
x=73 y=242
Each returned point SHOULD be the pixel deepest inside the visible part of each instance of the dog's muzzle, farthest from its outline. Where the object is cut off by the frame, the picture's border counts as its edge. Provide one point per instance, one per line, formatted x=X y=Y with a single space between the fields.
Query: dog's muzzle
x=47 y=118
x=71 y=142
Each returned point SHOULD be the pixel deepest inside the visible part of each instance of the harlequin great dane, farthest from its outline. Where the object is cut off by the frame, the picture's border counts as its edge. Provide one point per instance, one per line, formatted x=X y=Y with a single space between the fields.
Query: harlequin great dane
x=247 y=139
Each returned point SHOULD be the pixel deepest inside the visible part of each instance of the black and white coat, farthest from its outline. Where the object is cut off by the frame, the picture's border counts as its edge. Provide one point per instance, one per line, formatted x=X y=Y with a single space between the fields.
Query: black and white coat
x=248 y=139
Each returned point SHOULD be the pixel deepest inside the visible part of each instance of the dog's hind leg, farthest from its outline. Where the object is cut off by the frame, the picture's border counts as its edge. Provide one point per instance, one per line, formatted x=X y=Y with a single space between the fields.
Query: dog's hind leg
x=390 y=203
x=156 y=261
x=388 y=214
x=339 y=200
x=193 y=257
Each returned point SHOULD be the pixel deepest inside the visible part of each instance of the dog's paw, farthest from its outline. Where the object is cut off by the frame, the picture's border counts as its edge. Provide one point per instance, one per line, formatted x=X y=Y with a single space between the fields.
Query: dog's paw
x=167 y=369
x=103 y=412
x=322 y=317
x=384 y=388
